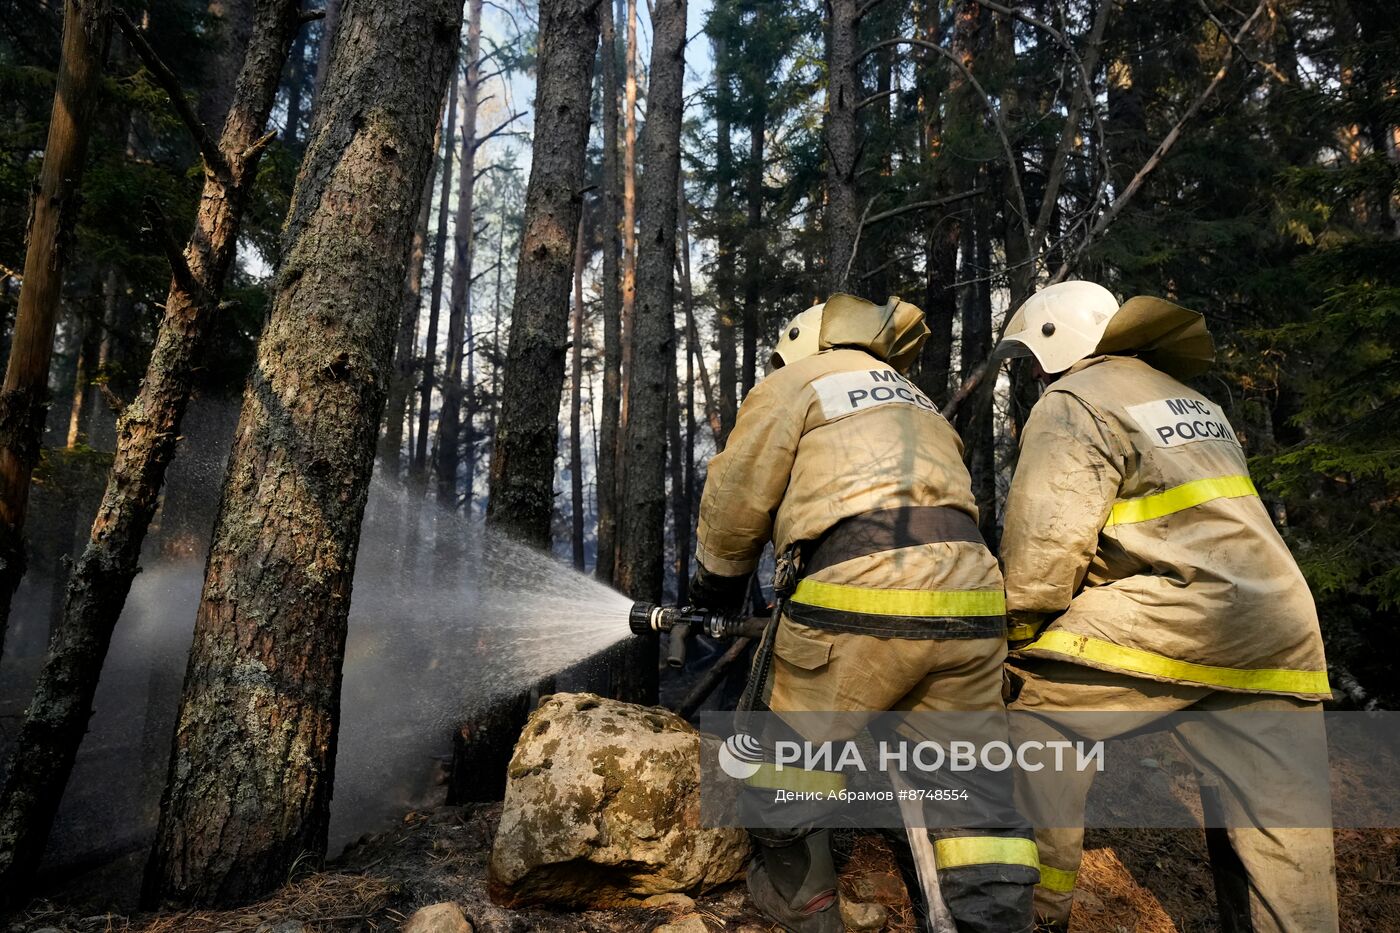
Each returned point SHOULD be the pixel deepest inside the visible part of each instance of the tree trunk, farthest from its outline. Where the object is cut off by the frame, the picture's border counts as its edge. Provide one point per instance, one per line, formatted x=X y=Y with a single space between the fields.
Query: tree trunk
x=842 y=148
x=449 y=441
x=400 y=386
x=629 y=263
x=606 y=479
x=576 y=404
x=527 y=434
x=974 y=419
x=232 y=30
x=84 y=391
x=146 y=436
x=52 y=229
x=629 y=205
x=756 y=241
x=643 y=518
x=725 y=316
x=296 y=91
x=692 y=333
x=323 y=51
x=418 y=470
x=251 y=772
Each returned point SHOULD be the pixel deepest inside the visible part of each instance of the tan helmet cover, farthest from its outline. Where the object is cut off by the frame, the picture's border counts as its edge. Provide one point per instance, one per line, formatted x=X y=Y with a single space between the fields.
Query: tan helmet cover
x=893 y=332
x=1059 y=325
x=801 y=338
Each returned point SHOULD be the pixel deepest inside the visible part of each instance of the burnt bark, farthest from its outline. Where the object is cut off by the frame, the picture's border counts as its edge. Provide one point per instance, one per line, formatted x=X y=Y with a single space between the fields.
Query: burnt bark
x=252 y=765
x=401 y=385
x=642 y=522
x=522 y=467
x=842 y=147
x=418 y=470
x=449 y=442
x=147 y=432
x=612 y=308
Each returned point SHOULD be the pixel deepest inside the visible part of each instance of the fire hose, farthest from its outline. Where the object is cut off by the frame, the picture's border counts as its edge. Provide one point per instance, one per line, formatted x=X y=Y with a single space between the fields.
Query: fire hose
x=683 y=621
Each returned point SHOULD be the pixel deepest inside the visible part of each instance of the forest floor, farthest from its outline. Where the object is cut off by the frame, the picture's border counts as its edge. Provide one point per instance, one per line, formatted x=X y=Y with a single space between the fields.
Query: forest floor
x=1131 y=882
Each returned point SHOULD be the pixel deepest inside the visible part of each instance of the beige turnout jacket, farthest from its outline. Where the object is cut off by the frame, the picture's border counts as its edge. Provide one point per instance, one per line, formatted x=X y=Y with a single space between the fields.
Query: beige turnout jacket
x=1135 y=541
x=841 y=435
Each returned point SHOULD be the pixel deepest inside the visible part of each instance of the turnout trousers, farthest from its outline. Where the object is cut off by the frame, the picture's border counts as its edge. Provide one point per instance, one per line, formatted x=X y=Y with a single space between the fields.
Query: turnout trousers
x=1268 y=880
x=986 y=874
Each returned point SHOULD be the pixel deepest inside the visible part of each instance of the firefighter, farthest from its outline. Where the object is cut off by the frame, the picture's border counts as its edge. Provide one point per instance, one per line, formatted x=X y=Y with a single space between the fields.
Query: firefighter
x=849 y=469
x=1144 y=576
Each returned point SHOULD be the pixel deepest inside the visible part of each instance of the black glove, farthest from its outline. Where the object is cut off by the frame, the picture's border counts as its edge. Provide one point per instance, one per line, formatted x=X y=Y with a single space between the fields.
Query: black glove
x=722 y=594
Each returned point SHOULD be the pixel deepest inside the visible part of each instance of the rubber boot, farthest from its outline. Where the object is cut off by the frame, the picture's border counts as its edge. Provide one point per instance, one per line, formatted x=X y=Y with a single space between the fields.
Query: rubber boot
x=793 y=882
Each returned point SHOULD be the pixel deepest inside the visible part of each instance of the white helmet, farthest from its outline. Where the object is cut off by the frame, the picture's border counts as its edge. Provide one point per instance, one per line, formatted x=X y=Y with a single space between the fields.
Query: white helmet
x=1059 y=325
x=801 y=337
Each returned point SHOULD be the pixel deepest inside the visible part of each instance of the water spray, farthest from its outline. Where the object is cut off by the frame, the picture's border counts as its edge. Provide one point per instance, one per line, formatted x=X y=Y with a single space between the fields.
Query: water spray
x=681 y=621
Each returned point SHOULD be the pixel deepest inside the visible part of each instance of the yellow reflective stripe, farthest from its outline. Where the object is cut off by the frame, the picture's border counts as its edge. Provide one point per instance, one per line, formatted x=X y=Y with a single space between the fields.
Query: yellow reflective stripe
x=900 y=602
x=1022 y=632
x=959 y=851
x=1185 y=496
x=1137 y=661
x=1057 y=880
x=797 y=779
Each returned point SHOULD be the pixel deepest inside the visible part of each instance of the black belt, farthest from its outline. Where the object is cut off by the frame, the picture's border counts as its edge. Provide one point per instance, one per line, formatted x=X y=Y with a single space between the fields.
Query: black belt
x=887 y=530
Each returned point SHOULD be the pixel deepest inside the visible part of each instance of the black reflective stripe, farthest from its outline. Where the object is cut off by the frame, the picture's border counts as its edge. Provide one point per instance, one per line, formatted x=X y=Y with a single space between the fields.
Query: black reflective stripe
x=883 y=626
x=888 y=530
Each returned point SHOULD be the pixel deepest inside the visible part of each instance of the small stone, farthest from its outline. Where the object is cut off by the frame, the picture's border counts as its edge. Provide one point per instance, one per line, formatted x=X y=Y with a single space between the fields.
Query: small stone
x=859 y=915
x=691 y=923
x=282 y=926
x=446 y=917
x=670 y=901
x=880 y=886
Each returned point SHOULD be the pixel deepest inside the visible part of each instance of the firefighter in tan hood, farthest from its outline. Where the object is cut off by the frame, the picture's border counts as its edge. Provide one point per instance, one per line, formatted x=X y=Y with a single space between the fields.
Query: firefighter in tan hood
x=1144 y=575
x=840 y=460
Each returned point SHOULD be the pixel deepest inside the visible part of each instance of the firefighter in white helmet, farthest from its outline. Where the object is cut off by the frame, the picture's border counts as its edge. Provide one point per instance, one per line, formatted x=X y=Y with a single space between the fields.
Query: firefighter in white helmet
x=845 y=465
x=1144 y=575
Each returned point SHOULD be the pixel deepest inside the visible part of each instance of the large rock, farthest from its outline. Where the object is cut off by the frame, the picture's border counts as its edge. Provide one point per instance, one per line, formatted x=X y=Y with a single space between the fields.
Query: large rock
x=602 y=809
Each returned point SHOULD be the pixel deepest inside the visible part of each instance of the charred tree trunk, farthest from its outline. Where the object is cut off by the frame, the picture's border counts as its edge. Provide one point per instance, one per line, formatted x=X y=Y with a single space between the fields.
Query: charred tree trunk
x=642 y=526
x=449 y=441
x=400 y=386
x=726 y=317
x=52 y=229
x=522 y=466
x=418 y=470
x=146 y=436
x=576 y=404
x=842 y=147
x=252 y=767
x=606 y=479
